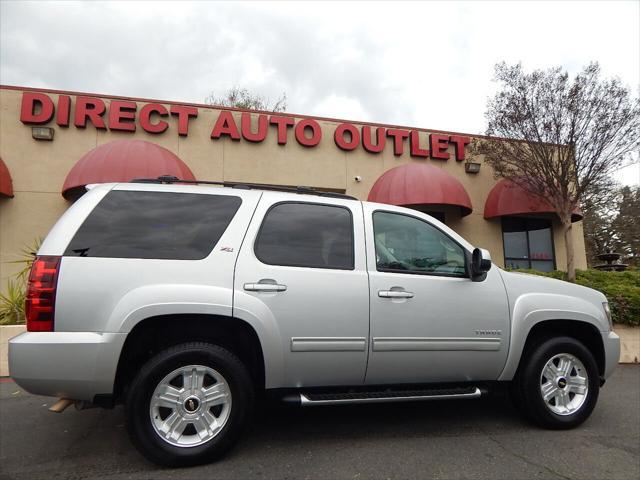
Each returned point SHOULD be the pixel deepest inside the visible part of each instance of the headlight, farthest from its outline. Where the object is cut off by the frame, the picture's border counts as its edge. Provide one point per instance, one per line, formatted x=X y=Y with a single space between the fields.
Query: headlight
x=607 y=312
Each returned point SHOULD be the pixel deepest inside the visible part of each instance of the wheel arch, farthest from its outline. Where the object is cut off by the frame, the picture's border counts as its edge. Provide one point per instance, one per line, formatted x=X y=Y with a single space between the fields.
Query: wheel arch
x=582 y=330
x=156 y=333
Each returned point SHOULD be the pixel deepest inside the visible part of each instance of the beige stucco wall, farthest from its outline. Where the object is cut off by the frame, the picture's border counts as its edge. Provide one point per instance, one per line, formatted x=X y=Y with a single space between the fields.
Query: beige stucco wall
x=39 y=168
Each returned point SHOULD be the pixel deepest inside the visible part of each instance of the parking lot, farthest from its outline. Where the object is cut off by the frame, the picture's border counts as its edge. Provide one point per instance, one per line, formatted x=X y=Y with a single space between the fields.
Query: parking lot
x=456 y=439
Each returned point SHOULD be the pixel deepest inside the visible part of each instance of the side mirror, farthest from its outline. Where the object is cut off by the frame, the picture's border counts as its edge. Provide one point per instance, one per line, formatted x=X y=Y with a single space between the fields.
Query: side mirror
x=480 y=263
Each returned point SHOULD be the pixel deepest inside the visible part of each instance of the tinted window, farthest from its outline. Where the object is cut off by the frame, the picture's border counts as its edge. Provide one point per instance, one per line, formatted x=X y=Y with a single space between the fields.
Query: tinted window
x=306 y=235
x=408 y=244
x=159 y=225
x=528 y=243
x=437 y=215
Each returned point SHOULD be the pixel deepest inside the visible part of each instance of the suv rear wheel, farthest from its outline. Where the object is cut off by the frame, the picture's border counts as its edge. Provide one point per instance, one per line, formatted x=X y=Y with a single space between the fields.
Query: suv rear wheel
x=557 y=385
x=189 y=404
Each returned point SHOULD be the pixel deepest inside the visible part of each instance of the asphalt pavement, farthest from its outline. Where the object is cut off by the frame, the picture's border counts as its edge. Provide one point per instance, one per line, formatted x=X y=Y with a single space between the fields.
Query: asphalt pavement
x=463 y=439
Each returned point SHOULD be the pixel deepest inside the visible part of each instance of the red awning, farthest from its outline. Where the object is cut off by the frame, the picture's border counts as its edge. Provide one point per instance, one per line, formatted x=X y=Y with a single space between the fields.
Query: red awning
x=508 y=198
x=6 y=185
x=123 y=161
x=420 y=184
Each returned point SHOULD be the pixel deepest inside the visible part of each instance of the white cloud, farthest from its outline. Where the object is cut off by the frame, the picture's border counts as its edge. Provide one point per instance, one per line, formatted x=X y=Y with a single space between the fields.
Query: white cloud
x=427 y=64
x=335 y=106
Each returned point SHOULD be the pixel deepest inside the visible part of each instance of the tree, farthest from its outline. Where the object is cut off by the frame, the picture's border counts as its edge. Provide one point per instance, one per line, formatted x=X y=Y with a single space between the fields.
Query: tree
x=242 y=98
x=566 y=136
x=626 y=225
x=599 y=207
x=612 y=222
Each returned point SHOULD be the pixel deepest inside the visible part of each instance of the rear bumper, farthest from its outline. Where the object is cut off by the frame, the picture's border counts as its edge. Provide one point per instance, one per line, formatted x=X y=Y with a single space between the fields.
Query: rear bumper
x=75 y=365
x=611 y=343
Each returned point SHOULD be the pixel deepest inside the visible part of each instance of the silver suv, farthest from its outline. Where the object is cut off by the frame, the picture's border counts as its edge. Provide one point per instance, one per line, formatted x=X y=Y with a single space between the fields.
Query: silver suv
x=188 y=302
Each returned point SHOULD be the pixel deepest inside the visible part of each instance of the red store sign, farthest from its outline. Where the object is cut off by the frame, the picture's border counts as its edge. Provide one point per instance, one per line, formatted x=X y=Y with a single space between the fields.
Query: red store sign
x=123 y=115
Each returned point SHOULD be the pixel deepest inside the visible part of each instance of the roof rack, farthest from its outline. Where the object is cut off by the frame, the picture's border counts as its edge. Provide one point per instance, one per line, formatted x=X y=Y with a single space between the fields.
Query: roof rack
x=169 y=179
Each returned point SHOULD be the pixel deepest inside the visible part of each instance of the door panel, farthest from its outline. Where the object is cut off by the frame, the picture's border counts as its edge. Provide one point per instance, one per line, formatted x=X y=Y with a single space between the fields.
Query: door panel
x=322 y=312
x=449 y=328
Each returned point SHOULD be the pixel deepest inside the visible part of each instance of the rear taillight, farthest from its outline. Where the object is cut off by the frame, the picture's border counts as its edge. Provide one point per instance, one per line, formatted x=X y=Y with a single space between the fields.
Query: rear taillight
x=41 y=294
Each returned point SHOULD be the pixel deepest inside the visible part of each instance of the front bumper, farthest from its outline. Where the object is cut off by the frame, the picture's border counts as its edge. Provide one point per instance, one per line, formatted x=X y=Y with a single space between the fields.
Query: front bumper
x=611 y=343
x=75 y=365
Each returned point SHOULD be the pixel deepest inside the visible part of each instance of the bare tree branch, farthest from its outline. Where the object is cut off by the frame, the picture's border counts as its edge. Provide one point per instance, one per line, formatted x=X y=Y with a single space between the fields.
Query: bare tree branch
x=567 y=135
x=242 y=98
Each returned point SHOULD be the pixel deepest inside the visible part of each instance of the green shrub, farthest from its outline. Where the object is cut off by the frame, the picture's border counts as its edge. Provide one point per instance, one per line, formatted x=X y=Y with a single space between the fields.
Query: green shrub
x=622 y=289
x=12 y=303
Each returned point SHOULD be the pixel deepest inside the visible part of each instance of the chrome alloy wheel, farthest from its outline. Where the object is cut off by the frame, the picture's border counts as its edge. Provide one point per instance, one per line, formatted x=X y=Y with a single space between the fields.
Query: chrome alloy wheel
x=564 y=384
x=190 y=406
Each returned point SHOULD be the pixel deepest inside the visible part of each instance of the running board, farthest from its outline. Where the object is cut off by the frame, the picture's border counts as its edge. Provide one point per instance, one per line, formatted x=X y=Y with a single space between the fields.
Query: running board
x=312 y=399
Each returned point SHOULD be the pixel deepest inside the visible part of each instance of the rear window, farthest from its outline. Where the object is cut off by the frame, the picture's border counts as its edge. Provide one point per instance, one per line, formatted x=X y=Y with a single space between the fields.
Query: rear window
x=181 y=226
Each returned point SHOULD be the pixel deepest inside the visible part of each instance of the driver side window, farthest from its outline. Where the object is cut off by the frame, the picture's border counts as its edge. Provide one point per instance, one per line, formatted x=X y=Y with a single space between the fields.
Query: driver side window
x=406 y=244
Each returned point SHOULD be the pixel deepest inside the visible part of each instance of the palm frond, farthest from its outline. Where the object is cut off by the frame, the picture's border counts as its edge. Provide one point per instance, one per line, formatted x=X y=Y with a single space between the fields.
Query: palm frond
x=27 y=256
x=12 y=303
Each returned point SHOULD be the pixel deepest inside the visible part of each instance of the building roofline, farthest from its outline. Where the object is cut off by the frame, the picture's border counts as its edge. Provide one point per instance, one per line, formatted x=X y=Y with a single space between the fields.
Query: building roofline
x=236 y=109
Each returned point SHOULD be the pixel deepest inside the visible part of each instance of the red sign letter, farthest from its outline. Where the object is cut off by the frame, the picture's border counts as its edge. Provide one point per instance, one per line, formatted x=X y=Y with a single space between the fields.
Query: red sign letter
x=225 y=125
x=64 y=109
x=398 y=140
x=29 y=102
x=247 y=134
x=366 y=139
x=340 y=140
x=416 y=151
x=89 y=108
x=120 y=110
x=316 y=135
x=458 y=141
x=438 y=145
x=145 y=118
x=283 y=123
x=183 y=113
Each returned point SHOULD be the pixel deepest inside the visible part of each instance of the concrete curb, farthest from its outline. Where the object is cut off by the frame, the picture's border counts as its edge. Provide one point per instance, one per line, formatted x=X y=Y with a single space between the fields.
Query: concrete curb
x=629 y=344
x=7 y=332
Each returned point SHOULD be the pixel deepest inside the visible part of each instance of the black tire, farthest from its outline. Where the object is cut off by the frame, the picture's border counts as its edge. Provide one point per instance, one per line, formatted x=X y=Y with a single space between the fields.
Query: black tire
x=137 y=407
x=525 y=388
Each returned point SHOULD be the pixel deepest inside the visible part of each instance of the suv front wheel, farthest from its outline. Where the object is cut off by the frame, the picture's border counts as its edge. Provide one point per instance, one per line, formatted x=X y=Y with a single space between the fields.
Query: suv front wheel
x=189 y=404
x=557 y=385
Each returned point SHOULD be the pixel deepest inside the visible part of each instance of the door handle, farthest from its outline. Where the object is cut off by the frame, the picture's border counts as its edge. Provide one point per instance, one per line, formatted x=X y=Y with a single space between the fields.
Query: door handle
x=265 y=285
x=395 y=294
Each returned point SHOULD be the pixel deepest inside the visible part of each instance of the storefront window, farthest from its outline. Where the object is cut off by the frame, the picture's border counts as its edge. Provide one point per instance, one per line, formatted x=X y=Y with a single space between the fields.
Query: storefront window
x=528 y=243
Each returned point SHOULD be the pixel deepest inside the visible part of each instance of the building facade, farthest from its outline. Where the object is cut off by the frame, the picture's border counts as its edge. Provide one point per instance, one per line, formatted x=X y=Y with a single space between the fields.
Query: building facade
x=52 y=143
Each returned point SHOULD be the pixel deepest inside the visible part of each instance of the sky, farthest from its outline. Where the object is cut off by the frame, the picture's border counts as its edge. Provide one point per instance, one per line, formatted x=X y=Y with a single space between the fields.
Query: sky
x=419 y=64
